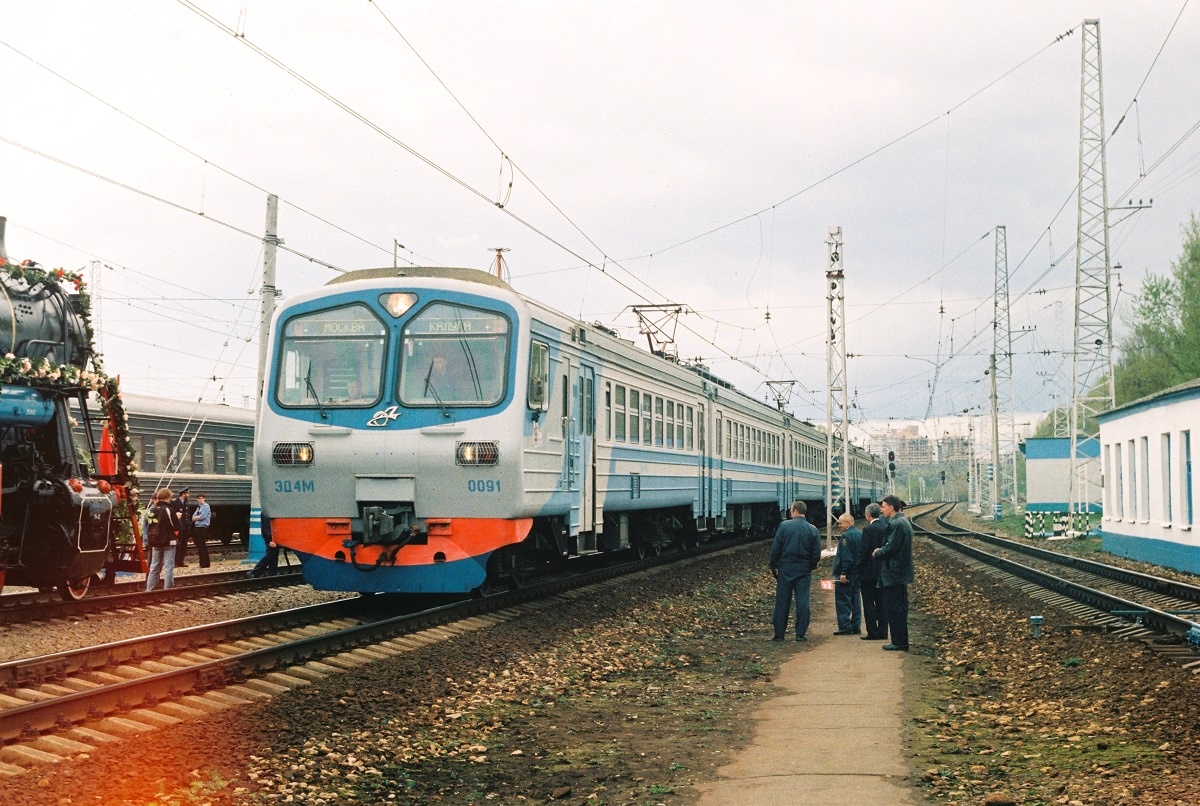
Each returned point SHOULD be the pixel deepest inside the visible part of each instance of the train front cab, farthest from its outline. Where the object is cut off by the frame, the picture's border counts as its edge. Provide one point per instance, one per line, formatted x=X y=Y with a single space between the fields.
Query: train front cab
x=382 y=453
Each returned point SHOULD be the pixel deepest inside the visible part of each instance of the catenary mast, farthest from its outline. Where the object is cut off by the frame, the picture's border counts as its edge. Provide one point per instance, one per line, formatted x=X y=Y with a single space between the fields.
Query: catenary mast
x=836 y=395
x=1092 y=377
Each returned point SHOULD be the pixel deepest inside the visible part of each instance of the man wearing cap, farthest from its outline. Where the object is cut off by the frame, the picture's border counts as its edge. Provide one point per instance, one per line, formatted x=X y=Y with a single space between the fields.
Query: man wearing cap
x=895 y=571
x=201 y=520
x=183 y=516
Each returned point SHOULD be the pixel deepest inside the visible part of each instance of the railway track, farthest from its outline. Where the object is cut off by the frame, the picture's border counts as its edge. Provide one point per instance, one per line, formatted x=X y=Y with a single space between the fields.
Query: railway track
x=62 y=705
x=19 y=608
x=1160 y=612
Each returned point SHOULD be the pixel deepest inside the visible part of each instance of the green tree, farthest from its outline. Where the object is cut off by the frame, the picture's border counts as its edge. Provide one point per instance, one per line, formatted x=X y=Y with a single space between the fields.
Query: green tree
x=1162 y=348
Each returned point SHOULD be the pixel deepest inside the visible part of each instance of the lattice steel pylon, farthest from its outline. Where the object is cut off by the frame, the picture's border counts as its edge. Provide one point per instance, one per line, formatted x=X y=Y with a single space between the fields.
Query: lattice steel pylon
x=1093 y=386
x=1005 y=431
x=836 y=388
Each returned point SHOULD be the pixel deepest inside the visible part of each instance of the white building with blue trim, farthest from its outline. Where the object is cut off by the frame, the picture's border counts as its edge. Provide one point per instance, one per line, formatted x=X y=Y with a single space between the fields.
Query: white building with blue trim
x=1149 y=488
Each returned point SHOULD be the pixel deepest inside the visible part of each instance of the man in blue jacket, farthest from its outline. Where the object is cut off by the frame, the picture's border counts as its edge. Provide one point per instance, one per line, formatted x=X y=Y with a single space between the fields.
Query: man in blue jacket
x=845 y=571
x=794 y=556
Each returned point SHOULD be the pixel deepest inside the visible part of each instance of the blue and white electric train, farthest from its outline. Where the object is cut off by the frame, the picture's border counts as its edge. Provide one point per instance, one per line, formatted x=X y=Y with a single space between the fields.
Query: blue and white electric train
x=432 y=430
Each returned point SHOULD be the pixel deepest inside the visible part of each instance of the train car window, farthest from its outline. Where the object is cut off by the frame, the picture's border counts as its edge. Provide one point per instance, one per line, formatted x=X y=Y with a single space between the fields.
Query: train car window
x=691 y=430
x=619 y=413
x=246 y=460
x=658 y=421
x=182 y=462
x=566 y=398
x=539 y=377
x=728 y=440
x=331 y=359
x=670 y=423
x=231 y=462
x=208 y=457
x=608 y=411
x=452 y=355
x=635 y=407
x=647 y=423
x=162 y=454
x=139 y=453
x=589 y=407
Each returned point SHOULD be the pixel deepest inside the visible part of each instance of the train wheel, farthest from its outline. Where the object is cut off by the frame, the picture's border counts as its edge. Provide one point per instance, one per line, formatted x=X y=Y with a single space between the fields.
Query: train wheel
x=72 y=590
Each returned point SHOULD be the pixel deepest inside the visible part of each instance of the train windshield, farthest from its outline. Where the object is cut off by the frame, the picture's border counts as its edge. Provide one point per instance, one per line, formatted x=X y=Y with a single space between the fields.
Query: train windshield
x=331 y=359
x=454 y=356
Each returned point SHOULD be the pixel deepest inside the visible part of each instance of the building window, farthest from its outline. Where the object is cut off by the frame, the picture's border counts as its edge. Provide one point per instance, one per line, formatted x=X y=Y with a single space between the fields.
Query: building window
x=1110 y=480
x=1144 y=477
x=1119 y=467
x=1132 y=447
x=1185 y=468
x=1167 y=492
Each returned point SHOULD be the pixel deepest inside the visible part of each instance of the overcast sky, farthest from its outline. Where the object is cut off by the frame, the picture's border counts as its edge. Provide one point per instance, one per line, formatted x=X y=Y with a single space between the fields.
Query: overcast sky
x=697 y=151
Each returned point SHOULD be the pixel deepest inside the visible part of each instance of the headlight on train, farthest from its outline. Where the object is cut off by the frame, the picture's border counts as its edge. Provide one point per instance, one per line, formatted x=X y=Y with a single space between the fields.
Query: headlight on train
x=292 y=453
x=477 y=453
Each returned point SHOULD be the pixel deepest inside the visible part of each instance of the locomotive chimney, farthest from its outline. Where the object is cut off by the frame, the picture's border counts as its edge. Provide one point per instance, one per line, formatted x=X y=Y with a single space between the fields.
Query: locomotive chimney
x=3 y=251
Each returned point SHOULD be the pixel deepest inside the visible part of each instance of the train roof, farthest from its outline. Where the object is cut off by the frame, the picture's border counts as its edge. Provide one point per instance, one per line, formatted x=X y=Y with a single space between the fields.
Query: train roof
x=187 y=410
x=437 y=272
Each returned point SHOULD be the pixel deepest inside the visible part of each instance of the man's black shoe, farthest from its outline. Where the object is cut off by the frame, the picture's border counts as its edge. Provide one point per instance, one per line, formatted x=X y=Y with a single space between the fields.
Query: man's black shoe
x=894 y=648
x=801 y=637
x=845 y=632
x=777 y=638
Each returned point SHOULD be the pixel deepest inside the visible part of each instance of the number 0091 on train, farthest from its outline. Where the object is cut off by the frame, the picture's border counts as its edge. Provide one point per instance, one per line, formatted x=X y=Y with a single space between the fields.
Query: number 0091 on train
x=433 y=431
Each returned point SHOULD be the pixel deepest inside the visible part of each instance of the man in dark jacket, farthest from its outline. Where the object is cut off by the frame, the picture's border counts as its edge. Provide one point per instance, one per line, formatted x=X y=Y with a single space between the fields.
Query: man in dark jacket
x=845 y=570
x=794 y=556
x=896 y=571
x=183 y=516
x=868 y=574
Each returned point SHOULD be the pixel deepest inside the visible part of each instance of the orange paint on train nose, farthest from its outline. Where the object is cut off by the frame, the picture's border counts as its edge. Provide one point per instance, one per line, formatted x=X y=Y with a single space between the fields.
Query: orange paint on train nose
x=449 y=538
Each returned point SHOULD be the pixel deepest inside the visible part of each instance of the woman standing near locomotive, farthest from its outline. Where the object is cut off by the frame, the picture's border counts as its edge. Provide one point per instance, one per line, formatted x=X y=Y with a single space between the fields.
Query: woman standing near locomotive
x=164 y=531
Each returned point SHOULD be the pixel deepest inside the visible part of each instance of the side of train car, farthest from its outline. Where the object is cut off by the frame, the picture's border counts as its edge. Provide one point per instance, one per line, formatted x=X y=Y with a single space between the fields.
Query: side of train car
x=430 y=430
x=206 y=447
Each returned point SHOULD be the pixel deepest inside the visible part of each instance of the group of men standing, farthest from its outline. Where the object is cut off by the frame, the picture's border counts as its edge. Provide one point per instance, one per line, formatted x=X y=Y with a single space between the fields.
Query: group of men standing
x=873 y=570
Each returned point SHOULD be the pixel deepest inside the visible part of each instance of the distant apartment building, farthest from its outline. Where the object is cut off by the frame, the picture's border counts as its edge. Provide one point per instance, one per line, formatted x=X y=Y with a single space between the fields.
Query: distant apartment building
x=954 y=450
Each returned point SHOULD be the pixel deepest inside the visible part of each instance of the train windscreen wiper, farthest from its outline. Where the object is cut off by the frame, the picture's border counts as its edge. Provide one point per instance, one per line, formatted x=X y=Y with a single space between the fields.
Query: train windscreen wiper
x=430 y=389
x=312 y=390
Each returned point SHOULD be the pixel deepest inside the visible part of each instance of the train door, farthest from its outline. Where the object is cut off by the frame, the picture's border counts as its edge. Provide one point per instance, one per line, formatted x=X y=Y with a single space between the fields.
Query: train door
x=717 y=483
x=789 y=478
x=701 y=512
x=584 y=449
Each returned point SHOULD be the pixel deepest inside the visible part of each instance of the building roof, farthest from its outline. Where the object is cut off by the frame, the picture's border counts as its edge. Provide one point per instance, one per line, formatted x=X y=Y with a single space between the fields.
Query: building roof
x=1183 y=391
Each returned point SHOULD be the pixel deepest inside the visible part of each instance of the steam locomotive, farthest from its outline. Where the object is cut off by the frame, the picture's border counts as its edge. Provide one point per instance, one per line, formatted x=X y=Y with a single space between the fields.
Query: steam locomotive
x=56 y=515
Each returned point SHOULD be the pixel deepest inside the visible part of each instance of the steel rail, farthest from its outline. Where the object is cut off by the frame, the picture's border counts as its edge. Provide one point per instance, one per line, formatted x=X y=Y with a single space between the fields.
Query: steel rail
x=1151 y=617
x=29 y=721
x=21 y=608
x=1168 y=587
